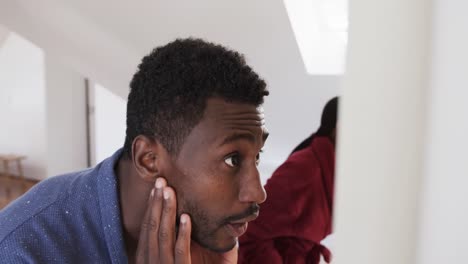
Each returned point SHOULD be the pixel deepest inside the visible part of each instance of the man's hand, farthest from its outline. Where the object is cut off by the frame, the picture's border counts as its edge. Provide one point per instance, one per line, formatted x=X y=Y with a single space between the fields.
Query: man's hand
x=158 y=242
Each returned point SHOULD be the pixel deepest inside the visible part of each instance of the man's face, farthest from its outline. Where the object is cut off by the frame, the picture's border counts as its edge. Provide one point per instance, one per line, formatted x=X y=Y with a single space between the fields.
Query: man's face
x=215 y=174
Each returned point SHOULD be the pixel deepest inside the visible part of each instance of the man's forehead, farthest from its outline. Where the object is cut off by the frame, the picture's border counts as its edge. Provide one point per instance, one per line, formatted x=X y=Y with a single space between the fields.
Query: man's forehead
x=233 y=118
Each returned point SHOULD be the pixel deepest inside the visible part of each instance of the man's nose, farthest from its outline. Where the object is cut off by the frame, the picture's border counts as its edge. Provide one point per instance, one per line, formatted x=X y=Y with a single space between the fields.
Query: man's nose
x=251 y=189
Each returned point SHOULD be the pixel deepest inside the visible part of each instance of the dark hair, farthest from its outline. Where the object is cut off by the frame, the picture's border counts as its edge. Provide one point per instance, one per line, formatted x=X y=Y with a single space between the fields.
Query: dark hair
x=169 y=91
x=327 y=124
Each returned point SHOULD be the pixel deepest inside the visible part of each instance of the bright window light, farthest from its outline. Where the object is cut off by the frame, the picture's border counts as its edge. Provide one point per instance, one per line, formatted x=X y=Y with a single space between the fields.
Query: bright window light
x=321 y=31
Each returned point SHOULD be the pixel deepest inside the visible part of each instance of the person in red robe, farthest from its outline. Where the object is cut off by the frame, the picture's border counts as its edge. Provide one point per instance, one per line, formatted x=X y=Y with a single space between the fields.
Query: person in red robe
x=297 y=214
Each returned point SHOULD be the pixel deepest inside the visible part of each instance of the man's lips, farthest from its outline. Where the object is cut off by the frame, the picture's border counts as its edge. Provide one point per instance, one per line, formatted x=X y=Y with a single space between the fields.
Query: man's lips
x=237 y=228
x=246 y=219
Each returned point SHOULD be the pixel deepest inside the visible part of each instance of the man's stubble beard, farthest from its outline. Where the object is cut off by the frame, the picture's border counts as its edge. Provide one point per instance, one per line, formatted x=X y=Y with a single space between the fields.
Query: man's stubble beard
x=204 y=229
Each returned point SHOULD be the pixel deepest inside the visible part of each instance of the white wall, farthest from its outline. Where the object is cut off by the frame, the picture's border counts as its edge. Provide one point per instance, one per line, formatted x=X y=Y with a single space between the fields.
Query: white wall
x=42 y=106
x=66 y=118
x=443 y=229
x=22 y=104
x=382 y=132
x=108 y=121
x=4 y=32
x=402 y=163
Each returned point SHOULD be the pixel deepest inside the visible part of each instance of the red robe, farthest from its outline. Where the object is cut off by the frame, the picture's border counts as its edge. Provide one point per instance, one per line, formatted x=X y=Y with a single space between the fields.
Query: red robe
x=297 y=214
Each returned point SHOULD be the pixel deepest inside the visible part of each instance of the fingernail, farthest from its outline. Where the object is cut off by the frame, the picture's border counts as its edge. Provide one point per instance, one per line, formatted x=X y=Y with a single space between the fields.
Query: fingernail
x=183 y=219
x=152 y=192
x=166 y=194
x=159 y=183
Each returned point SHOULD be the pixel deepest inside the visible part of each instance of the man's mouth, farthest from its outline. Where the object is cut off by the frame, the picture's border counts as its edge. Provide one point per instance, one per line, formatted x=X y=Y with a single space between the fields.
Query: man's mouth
x=238 y=228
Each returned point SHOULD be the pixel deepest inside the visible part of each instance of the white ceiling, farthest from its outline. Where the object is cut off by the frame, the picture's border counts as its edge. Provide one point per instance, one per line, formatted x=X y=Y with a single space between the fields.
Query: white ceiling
x=106 y=39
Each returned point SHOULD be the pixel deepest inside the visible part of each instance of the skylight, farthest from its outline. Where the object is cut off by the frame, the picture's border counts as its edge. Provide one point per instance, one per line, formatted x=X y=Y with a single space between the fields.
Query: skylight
x=321 y=31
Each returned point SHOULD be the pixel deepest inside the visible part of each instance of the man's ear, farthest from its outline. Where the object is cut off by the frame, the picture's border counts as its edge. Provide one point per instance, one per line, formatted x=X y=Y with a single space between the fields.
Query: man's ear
x=148 y=157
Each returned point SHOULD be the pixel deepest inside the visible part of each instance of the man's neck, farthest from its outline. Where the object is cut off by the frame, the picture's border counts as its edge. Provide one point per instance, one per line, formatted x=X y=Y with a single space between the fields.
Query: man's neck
x=133 y=193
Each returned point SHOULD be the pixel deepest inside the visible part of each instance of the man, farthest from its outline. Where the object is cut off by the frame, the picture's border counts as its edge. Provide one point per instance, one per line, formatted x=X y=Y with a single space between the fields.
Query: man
x=298 y=213
x=182 y=188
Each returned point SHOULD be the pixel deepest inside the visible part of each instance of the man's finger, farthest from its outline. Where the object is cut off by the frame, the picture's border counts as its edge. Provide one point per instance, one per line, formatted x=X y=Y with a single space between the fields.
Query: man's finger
x=148 y=242
x=182 y=247
x=143 y=251
x=155 y=220
x=167 y=227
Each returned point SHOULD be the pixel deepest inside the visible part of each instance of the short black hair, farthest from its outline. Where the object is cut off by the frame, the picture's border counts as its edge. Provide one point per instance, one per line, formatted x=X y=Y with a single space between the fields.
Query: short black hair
x=168 y=93
x=329 y=118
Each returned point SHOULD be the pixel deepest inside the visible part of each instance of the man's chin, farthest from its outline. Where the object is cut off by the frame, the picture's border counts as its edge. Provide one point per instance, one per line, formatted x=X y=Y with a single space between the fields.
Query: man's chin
x=216 y=248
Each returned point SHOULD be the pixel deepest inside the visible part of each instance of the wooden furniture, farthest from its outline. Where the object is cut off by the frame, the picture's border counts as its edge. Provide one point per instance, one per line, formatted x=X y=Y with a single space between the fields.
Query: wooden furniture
x=7 y=160
x=15 y=187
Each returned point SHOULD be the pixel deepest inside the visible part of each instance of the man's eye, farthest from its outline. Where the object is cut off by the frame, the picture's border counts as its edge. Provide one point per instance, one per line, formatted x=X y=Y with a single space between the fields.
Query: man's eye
x=232 y=161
